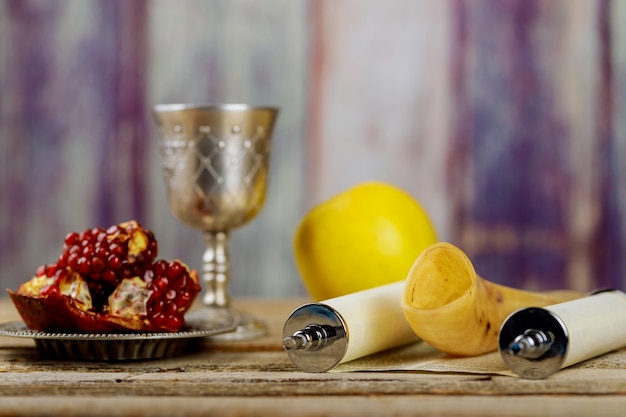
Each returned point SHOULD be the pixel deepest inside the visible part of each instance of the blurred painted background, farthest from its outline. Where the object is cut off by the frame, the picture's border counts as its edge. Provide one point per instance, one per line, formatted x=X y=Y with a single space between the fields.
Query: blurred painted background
x=506 y=119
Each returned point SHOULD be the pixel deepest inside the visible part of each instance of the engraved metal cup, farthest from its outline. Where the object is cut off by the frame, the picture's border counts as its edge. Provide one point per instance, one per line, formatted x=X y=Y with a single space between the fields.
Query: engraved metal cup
x=215 y=162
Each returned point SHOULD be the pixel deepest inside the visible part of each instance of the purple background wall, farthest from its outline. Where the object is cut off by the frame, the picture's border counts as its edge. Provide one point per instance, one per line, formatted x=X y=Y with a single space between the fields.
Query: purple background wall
x=507 y=120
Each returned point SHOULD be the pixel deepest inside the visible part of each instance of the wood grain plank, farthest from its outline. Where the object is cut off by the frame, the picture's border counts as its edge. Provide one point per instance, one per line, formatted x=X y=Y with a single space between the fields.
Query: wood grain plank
x=376 y=406
x=258 y=380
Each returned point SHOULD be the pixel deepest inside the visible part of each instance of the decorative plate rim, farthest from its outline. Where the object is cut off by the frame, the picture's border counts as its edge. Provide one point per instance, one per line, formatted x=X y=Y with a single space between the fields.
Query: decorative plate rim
x=193 y=329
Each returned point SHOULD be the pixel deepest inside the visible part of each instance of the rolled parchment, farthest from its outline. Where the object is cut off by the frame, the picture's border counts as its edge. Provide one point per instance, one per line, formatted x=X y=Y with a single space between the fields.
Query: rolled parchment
x=319 y=336
x=537 y=342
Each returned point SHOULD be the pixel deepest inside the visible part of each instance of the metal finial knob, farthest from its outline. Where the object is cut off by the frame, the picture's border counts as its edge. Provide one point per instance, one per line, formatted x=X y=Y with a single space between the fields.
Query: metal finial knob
x=532 y=344
x=311 y=338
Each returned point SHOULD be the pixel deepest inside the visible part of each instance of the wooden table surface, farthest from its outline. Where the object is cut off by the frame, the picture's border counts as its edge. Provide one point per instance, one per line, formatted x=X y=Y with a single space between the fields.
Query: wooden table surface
x=257 y=378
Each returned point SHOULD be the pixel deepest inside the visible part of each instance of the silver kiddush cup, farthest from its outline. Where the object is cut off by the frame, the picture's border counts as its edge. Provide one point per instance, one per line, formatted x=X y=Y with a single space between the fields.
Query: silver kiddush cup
x=215 y=162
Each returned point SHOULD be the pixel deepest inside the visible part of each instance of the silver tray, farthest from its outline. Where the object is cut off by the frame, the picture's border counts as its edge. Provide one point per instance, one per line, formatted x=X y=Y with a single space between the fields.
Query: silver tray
x=118 y=346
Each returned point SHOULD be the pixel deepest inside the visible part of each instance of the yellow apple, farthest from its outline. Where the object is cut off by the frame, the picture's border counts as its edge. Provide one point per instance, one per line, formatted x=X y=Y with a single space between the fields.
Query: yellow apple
x=366 y=236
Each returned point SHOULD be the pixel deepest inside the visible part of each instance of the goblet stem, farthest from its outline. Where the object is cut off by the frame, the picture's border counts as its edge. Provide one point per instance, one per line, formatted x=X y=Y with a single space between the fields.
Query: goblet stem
x=216 y=276
x=216 y=269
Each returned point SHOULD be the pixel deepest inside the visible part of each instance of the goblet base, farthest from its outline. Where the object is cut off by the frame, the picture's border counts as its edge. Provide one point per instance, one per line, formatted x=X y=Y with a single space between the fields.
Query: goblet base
x=247 y=326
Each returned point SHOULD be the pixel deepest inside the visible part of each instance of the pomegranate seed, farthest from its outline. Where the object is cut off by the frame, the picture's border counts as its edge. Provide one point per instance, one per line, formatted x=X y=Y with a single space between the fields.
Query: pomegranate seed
x=171 y=308
x=52 y=269
x=174 y=270
x=83 y=236
x=97 y=265
x=88 y=250
x=71 y=238
x=116 y=249
x=108 y=276
x=100 y=251
x=72 y=261
x=160 y=268
x=162 y=283
x=41 y=270
x=175 y=322
x=83 y=265
x=180 y=283
x=158 y=319
x=114 y=230
x=148 y=275
x=114 y=262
